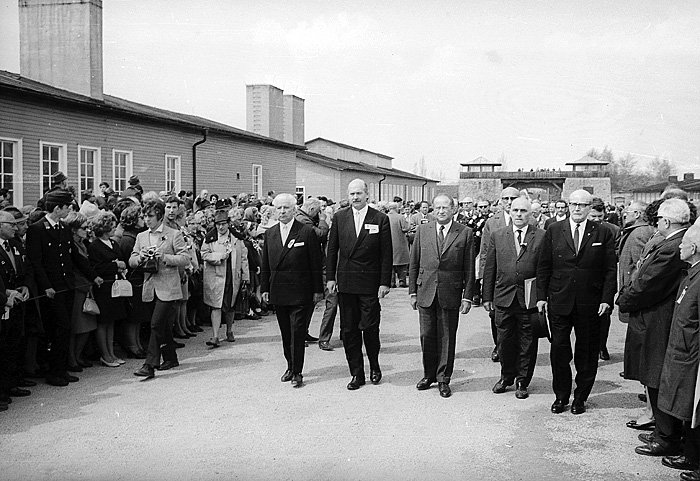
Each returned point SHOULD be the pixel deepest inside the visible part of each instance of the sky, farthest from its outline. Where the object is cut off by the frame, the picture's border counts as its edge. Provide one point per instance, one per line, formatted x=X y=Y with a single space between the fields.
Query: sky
x=538 y=83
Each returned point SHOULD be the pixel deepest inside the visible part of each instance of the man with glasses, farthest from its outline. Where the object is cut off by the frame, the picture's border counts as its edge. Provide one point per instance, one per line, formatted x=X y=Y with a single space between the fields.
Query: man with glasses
x=561 y=212
x=650 y=298
x=576 y=284
x=498 y=221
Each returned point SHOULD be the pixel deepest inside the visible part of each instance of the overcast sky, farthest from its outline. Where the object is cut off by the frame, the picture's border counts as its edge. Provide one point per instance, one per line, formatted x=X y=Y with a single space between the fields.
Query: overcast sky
x=539 y=82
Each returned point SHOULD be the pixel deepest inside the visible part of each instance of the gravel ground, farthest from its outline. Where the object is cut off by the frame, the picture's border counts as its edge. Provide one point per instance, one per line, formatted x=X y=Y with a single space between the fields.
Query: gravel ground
x=224 y=414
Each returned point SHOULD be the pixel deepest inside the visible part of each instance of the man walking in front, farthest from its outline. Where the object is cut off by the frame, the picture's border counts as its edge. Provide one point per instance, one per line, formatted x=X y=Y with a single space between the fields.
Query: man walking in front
x=576 y=284
x=358 y=267
x=440 y=283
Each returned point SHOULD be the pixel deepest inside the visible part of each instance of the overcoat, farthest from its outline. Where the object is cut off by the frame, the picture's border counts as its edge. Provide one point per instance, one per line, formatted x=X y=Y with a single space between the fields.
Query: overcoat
x=399 y=242
x=214 y=276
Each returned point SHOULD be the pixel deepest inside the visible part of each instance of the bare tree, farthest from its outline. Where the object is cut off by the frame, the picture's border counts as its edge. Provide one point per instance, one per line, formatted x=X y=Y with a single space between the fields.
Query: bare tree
x=419 y=167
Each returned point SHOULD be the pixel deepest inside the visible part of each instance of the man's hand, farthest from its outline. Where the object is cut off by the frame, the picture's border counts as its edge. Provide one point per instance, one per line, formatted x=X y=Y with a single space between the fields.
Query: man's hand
x=318 y=297
x=604 y=308
x=98 y=281
x=414 y=302
x=13 y=297
x=332 y=286
x=383 y=291
x=542 y=306
x=50 y=292
x=24 y=290
x=266 y=296
x=488 y=306
x=465 y=307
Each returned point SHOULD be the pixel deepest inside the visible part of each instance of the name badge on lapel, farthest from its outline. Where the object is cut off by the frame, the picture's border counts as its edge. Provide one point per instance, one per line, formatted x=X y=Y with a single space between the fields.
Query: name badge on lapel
x=290 y=244
x=372 y=228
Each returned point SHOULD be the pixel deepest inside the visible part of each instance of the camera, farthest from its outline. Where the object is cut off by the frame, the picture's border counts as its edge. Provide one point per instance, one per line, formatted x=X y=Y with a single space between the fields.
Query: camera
x=151 y=251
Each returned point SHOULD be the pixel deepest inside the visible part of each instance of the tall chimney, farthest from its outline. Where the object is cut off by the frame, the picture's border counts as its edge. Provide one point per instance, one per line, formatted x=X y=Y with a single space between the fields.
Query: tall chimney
x=61 y=44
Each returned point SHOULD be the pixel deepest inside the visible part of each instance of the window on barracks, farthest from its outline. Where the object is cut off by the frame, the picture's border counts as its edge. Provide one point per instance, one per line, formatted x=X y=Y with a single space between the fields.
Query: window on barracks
x=172 y=173
x=87 y=168
x=121 y=169
x=257 y=180
x=52 y=160
x=8 y=152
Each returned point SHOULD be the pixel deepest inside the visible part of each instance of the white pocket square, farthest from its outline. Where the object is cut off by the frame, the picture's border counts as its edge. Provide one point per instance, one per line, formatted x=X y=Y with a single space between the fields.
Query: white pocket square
x=298 y=244
x=596 y=244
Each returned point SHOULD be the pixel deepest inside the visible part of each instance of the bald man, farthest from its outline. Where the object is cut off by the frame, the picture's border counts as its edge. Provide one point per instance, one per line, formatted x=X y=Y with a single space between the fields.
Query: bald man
x=576 y=284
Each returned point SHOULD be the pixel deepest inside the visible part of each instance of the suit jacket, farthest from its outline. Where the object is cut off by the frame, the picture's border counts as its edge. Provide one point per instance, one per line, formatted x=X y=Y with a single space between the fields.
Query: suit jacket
x=21 y=276
x=53 y=255
x=505 y=271
x=360 y=264
x=448 y=274
x=166 y=282
x=586 y=279
x=497 y=222
x=292 y=272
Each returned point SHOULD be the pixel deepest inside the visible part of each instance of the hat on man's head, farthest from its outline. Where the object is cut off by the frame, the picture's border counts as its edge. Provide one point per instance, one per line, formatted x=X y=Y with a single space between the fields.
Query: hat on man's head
x=59 y=196
x=220 y=216
x=58 y=177
x=88 y=209
x=134 y=179
x=19 y=216
x=329 y=201
x=467 y=200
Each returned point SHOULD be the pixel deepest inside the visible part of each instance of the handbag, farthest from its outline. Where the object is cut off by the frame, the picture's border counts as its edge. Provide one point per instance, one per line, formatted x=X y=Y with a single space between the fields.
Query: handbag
x=122 y=288
x=150 y=265
x=90 y=306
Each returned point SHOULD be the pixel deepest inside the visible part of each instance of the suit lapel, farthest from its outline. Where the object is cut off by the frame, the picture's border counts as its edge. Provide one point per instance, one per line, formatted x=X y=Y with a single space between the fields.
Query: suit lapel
x=51 y=232
x=567 y=236
x=289 y=243
x=369 y=219
x=526 y=241
x=452 y=234
x=6 y=260
x=591 y=228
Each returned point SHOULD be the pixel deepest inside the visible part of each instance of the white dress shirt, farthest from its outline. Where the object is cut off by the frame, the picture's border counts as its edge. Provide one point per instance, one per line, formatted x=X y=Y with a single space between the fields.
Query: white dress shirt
x=581 y=230
x=523 y=231
x=285 y=229
x=359 y=218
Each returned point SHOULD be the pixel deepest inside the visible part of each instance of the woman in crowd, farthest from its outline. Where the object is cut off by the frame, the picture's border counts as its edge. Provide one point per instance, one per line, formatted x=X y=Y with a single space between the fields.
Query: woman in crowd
x=82 y=323
x=192 y=232
x=225 y=271
x=106 y=258
x=132 y=223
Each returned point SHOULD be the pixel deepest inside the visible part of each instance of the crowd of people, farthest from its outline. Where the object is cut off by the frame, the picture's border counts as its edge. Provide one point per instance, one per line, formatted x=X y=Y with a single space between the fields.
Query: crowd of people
x=131 y=275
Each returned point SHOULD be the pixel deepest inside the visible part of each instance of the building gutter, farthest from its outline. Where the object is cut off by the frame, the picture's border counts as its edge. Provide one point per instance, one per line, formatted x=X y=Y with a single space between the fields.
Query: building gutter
x=422 y=190
x=194 y=160
x=380 y=187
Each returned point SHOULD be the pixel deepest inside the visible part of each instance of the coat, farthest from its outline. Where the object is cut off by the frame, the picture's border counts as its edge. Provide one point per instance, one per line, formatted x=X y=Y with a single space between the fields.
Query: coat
x=166 y=282
x=399 y=242
x=214 y=276
x=680 y=369
x=497 y=222
x=505 y=270
x=449 y=274
x=629 y=251
x=102 y=260
x=291 y=273
x=649 y=299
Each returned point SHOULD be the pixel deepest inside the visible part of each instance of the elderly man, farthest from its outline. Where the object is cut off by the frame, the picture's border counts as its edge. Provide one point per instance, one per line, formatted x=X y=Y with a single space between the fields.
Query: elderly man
x=576 y=284
x=650 y=298
x=498 y=221
x=512 y=259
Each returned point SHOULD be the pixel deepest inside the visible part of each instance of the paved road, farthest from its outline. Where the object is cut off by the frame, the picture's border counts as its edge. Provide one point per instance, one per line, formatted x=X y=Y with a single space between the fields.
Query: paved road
x=224 y=414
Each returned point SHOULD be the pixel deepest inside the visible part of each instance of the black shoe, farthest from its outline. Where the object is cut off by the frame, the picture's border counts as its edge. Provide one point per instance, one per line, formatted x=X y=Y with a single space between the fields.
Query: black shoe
x=179 y=345
x=691 y=475
x=297 y=380
x=445 y=390
x=310 y=338
x=87 y=363
x=56 y=380
x=604 y=354
x=68 y=377
x=355 y=383
x=642 y=397
x=287 y=376
x=325 y=346
x=425 y=383
x=578 y=407
x=655 y=449
x=375 y=375
x=4 y=398
x=75 y=368
x=18 y=392
x=679 y=462
x=521 y=390
x=641 y=427
x=26 y=383
x=559 y=406
x=3 y=406
x=646 y=437
x=494 y=355
x=165 y=365
x=146 y=371
x=180 y=336
x=501 y=385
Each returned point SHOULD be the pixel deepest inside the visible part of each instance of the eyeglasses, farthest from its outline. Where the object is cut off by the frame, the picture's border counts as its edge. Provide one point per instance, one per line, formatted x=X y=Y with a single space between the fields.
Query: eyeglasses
x=14 y=224
x=576 y=205
x=509 y=198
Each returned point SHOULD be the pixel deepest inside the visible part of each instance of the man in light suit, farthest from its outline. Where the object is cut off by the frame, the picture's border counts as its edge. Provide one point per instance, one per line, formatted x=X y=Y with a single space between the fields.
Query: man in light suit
x=498 y=221
x=576 y=284
x=292 y=280
x=512 y=259
x=359 y=267
x=161 y=289
x=440 y=282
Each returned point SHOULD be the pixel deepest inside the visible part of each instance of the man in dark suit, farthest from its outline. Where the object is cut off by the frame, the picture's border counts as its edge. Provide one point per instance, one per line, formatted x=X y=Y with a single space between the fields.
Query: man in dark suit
x=440 y=283
x=291 y=279
x=51 y=250
x=498 y=221
x=576 y=284
x=512 y=259
x=359 y=267
x=561 y=209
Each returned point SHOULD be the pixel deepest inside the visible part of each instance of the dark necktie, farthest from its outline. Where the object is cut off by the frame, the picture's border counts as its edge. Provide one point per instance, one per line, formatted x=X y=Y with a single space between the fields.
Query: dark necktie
x=576 y=238
x=441 y=237
x=519 y=242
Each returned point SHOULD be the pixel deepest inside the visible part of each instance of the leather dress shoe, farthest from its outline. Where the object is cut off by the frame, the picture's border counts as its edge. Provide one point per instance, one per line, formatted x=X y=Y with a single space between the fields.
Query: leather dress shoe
x=165 y=365
x=521 y=390
x=425 y=383
x=445 y=390
x=501 y=385
x=679 y=462
x=26 y=383
x=179 y=345
x=297 y=380
x=146 y=371
x=641 y=427
x=4 y=398
x=18 y=392
x=646 y=437
x=355 y=383
x=655 y=449
x=310 y=338
x=287 y=376
x=68 y=377
x=375 y=376
x=325 y=345
x=691 y=475
x=578 y=407
x=494 y=355
x=559 y=406
x=55 y=380
x=230 y=337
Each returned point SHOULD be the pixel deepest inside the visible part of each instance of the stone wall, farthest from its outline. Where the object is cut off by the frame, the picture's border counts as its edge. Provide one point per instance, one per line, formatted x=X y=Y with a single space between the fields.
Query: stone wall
x=477 y=189
x=598 y=187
